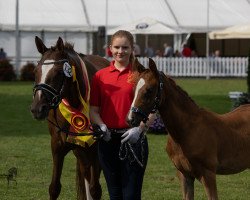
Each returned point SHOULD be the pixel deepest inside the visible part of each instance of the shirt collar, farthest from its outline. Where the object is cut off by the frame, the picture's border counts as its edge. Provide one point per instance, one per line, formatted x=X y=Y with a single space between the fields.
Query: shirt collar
x=113 y=68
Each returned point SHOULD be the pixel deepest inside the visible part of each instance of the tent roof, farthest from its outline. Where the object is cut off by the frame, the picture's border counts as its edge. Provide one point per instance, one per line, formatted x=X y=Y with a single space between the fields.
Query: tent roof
x=233 y=32
x=144 y=26
x=87 y=15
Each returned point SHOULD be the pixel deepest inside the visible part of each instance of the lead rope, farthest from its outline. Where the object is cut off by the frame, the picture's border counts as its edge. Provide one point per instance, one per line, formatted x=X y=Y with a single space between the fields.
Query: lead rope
x=130 y=153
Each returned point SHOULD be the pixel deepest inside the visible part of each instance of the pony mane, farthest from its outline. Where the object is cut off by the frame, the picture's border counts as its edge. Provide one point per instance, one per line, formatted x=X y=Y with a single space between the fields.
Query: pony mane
x=67 y=46
x=180 y=90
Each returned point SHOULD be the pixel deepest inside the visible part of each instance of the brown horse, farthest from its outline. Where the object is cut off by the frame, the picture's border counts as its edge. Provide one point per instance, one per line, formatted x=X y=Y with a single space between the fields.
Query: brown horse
x=54 y=82
x=201 y=143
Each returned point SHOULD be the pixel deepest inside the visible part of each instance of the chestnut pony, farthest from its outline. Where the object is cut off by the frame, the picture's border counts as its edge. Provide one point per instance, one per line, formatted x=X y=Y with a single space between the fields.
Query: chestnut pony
x=54 y=83
x=201 y=143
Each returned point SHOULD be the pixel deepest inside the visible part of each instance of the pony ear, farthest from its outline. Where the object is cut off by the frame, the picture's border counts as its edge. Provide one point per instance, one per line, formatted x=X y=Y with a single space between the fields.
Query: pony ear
x=60 y=44
x=40 y=46
x=152 y=66
x=137 y=66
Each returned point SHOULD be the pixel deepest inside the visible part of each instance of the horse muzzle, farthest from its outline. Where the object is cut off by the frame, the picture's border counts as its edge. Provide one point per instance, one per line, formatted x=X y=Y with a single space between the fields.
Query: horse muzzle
x=135 y=117
x=40 y=111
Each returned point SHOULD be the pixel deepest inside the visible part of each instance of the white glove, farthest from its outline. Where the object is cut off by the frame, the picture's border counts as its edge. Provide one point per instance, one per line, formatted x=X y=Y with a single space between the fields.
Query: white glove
x=132 y=135
x=107 y=134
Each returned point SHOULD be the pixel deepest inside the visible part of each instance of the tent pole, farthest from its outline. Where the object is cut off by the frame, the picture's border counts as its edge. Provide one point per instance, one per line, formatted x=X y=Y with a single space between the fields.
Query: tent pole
x=207 y=43
x=17 y=33
x=106 y=29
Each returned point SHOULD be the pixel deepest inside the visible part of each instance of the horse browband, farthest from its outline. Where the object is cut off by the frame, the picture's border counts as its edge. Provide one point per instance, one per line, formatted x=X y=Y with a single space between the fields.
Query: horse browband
x=55 y=62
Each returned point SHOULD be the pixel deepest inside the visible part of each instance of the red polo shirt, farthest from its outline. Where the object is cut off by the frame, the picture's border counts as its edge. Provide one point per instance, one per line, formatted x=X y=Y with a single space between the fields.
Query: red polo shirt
x=113 y=94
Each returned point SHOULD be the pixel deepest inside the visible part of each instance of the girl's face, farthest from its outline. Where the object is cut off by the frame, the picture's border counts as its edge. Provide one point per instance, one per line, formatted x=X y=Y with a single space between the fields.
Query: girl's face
x=121 y=50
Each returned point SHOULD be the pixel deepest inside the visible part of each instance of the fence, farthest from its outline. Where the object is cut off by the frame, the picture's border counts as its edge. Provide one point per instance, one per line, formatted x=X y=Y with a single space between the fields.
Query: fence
x=191 y=67
x=201 y=67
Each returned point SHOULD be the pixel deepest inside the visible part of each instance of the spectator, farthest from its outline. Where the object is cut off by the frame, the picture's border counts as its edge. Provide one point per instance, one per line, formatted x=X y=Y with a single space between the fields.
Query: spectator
x=177 y=53
x=194 y=53
x=3 y=55
x=186 y=52
x=137 y=50
x=108 y=53
x=168 y=50
x=217 y=53
x=149 y=52
x=158 y=53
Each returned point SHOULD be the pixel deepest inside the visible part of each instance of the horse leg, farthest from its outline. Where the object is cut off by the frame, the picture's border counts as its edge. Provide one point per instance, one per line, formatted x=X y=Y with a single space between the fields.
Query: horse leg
x=80 y=181
x=88 y=174
x=58 y=153
x=209 y=182
x=187 y=186
x=94 y=183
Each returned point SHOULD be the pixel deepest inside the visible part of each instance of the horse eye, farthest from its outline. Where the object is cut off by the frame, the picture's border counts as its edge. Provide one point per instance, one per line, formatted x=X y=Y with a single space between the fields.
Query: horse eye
x=149 y=92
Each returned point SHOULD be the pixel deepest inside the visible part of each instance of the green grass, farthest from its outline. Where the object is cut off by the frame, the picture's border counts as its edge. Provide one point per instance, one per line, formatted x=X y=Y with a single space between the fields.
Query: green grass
x=25 y=144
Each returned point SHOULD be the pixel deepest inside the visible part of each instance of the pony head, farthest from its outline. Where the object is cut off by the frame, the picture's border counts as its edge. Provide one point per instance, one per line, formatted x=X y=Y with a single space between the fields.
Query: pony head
x=50 y=74
x=146 y=97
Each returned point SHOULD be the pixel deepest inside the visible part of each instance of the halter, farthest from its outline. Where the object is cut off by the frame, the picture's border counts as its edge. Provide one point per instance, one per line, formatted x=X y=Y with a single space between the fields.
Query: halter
x=138 y=111
x=52 y=95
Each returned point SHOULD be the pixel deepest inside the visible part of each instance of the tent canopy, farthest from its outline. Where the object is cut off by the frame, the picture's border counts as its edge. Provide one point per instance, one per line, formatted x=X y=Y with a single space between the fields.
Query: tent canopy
x=234 y=32
x=87 y=15
x=144 y=26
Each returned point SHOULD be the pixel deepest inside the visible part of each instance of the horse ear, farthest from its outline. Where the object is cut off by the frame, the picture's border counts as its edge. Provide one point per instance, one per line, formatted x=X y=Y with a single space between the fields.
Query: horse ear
x=152 y=66
x=137 y=66
x=60 y=44
x=40 y=46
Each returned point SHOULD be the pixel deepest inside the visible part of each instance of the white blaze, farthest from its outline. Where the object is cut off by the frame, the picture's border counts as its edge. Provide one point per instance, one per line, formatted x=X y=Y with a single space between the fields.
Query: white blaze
x=45 y=71
x=139 y=85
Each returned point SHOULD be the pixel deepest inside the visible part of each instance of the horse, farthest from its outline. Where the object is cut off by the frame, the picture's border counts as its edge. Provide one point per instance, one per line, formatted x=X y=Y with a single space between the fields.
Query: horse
x=201 y=143
x=54 y=84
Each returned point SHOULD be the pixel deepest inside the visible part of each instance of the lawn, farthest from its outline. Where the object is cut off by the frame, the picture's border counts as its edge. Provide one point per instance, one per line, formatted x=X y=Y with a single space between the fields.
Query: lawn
x=25 y=144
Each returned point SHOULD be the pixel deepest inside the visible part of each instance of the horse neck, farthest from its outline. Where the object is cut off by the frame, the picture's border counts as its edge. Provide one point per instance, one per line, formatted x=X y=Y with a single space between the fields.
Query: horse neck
x=177 y=109
x=77 y=88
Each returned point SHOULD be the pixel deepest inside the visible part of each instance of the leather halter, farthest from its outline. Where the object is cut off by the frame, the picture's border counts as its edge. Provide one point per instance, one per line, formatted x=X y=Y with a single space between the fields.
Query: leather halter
x=52 y=95
x=138 y=111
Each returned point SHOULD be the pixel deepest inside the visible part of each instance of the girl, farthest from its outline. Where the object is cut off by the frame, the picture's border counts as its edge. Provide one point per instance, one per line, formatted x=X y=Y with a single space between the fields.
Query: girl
x=111 y=97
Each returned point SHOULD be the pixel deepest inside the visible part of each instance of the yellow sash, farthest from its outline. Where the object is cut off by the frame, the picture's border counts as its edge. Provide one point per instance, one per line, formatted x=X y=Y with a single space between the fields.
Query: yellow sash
x=78 y=118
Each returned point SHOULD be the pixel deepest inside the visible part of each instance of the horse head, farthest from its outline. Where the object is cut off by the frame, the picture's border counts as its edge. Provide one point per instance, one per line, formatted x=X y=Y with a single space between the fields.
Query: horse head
x=147 y=95
x=51 y=73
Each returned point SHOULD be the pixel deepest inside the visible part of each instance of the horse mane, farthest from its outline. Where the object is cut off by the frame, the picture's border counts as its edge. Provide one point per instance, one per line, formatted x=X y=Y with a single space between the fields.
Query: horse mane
x=183 y=93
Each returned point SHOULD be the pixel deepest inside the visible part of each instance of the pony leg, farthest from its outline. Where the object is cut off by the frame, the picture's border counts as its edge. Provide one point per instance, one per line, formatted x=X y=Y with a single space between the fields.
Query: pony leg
x=187 y=186
x=209 y=182
x=94 y=183
x=88 y=174
x=58 y=154
x=80 y=181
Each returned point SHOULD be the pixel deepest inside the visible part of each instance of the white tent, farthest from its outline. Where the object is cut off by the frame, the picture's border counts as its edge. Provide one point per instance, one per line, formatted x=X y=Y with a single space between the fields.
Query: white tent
x=87 y=15
x=76 y=20
x=234 y=32
x=144 y=26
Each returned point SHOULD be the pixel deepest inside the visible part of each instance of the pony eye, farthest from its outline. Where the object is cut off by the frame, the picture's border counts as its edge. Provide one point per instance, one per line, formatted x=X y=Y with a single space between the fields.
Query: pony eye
x=149 y=92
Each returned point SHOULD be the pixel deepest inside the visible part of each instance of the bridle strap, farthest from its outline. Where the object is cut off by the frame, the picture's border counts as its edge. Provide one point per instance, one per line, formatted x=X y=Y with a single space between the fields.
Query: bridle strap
x=55 y=62
x=156 y=102
x=140 y=112
x=56 y=96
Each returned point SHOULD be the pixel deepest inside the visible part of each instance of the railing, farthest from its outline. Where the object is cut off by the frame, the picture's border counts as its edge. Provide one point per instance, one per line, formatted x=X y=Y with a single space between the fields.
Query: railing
x=201 y=67
x=189 y=67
